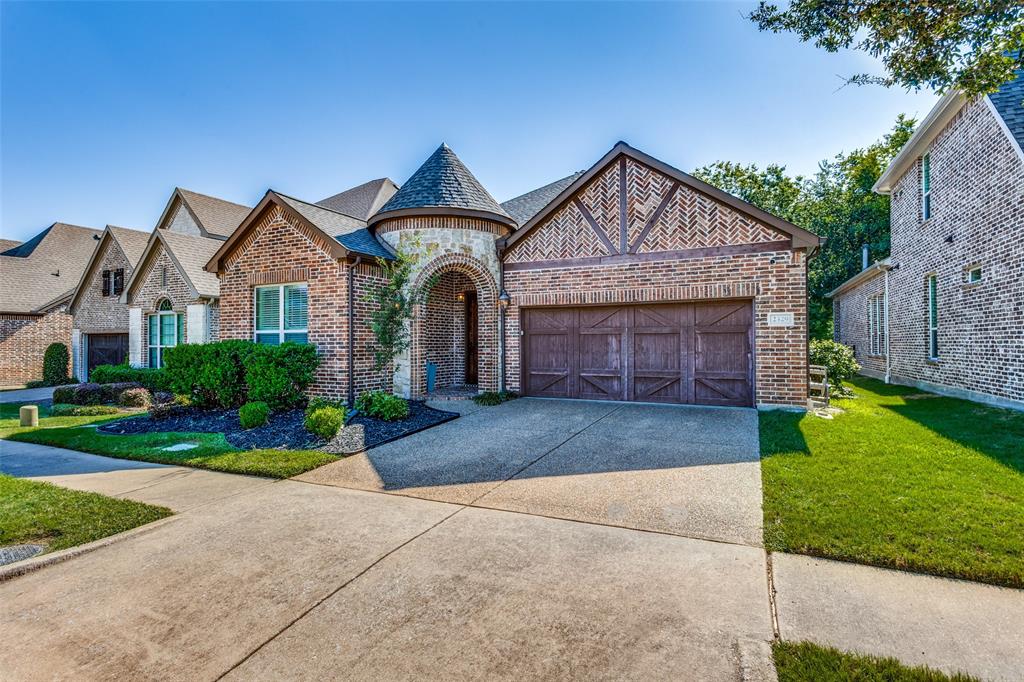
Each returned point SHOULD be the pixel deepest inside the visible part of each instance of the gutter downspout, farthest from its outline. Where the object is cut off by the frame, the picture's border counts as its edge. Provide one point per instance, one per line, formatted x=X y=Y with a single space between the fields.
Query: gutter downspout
x=501 y=321
x=888 y=368
x=351 y=331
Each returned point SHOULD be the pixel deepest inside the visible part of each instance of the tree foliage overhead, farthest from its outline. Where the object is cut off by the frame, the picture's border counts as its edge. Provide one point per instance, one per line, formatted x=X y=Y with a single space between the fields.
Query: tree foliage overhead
x=836 y=203
x=971 y=45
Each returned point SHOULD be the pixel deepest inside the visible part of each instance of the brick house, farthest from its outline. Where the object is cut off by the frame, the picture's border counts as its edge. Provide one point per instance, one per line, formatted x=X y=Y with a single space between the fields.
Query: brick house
x=629 y=281
x=37 y=279
x=99 y=332
x=169 y=297
x=945 y=310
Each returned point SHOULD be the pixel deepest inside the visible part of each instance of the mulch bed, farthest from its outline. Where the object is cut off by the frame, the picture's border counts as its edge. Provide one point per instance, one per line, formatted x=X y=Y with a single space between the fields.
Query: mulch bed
x=285 y=430
x=362 y=433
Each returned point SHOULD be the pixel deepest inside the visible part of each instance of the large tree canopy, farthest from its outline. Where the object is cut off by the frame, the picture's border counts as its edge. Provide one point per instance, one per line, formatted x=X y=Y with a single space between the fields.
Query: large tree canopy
x=972 y=45
x=836 y=203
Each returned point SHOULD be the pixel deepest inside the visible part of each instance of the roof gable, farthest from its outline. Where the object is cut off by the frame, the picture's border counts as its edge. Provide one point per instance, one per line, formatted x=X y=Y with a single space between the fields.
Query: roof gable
x=113 y=237
x=443 y=184
x=621 y=237
x=361 y=201
x=188 y=253
x=1008 y=102
x=340 y=234
x=215 y=218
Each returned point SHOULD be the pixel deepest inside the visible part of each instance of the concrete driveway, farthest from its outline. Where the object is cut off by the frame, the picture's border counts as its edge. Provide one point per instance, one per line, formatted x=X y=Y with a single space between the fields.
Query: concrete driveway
x=690 y=471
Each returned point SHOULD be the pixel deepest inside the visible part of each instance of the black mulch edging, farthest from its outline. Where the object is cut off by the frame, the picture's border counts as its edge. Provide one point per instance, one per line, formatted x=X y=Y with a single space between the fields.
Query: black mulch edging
x=362 y=432
x=286 y=430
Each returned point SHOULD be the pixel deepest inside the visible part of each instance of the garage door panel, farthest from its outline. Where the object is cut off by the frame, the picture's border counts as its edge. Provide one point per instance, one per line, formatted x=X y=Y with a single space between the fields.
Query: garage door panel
x=106 y=349
x=678 y=353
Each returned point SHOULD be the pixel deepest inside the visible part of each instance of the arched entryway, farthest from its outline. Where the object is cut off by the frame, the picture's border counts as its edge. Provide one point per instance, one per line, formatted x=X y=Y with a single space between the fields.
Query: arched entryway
x=454 y=333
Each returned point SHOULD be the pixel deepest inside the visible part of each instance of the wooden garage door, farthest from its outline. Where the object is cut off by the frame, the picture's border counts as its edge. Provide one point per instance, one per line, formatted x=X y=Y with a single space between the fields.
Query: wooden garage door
x=672 y=353
x=107 y=349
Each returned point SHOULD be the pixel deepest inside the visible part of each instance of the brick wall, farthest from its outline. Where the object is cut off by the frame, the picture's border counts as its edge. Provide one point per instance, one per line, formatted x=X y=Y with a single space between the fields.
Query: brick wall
x=694 y=249
x=280 y=250
x=851 y=323
x=977 y=200
x=781 y=352
x=161 y=280
x=95 y=312
x=23 y=341
x=444 y=329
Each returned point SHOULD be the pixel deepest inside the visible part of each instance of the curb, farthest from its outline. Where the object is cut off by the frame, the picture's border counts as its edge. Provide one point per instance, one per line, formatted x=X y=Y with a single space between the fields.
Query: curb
x=25 y=566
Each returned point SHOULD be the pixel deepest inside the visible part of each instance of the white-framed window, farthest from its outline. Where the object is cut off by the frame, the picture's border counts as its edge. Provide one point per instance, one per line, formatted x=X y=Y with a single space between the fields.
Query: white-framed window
x=877 y=327
x=926 y=187
x=933 y=317
x=166 y=330
x=974 y=274
x=281 y=313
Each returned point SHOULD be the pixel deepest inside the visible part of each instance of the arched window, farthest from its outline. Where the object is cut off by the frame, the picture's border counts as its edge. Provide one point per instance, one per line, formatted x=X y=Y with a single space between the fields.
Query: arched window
x=166 y=330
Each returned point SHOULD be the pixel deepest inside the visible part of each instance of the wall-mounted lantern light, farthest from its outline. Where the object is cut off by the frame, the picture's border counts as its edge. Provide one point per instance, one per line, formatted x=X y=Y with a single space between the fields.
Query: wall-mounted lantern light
x=504 y=300
x=460 y=297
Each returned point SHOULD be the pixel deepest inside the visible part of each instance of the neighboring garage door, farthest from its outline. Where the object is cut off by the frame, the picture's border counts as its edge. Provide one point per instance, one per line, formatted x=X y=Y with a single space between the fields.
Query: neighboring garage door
x=107 y=349
x=672 y=353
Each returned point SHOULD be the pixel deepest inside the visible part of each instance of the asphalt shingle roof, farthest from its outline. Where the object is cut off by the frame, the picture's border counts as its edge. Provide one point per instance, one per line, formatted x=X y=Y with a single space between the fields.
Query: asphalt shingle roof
x=443 y=181
x=193 y=252
x=1009 y=102
x=525 y=206
x=49 y=266
x=217 y=216
x=132 y=242
x=361 y=201
x=350 y=232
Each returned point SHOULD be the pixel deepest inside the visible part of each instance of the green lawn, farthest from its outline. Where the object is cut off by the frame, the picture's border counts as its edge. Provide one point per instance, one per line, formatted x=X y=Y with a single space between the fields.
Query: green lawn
x=35 y=512
x=212 y=451
x=902 y=479
x=806 y=662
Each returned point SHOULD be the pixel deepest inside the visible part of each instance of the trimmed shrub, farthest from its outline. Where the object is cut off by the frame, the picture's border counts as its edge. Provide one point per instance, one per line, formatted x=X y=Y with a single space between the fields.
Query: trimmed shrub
x=837 y=358
x=161 y=397
x=253 y=414
x=38 y=383
x=212 y=374
x=153 y=379
x=91 y=394
x=382 y=405
x=491 y=398
x=135 y=397
x=55 y=365
x=325 y=422
x=82 y=410
x=280 y=375
x=317 y=402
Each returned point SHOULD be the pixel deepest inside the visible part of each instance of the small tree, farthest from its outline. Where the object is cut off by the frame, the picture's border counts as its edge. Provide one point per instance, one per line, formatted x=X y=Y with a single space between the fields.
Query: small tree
x=837 y=359
x=394 y=304
x=55 y=364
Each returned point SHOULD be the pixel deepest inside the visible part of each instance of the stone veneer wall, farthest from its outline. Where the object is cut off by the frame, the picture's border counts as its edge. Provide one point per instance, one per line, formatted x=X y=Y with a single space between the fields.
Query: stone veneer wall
x=280 y=250
x=445 y=244
x=978 y=202
x=94 y=312
x=23 y=341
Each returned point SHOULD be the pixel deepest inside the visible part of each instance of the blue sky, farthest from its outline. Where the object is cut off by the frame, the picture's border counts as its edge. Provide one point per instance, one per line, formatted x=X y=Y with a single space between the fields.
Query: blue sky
x=105 y=108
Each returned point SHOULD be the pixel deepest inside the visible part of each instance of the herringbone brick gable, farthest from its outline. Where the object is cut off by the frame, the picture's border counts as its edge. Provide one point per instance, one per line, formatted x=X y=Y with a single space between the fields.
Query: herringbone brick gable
x=688 y=219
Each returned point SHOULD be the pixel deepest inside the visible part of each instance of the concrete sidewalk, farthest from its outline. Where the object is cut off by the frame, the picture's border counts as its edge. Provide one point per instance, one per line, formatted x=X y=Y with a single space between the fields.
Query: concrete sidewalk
x=178 y=488
x=951 y=625
x=27 y=395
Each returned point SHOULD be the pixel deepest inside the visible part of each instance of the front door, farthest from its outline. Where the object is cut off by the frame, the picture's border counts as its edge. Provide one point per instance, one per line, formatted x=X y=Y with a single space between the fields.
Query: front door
x=471 y=345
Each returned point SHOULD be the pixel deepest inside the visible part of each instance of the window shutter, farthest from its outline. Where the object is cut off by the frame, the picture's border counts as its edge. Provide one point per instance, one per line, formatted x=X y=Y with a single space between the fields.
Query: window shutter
x=118 y=281
x=296 y=306
x=154 y=330
x=181 y=327
x=268 y=309
x=106 y=282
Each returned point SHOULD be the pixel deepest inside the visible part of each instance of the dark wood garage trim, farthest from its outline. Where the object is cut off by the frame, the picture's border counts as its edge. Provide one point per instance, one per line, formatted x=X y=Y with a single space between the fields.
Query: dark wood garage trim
x=683 y=352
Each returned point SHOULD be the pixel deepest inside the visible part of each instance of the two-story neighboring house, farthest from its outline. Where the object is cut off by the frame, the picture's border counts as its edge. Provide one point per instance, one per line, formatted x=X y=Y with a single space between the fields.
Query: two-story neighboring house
x=945 y=310
x=99 y=333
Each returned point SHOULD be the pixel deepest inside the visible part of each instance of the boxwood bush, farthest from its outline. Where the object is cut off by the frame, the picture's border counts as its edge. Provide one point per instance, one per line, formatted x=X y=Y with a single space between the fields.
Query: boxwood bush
x=252 y=415
x=837 y=358
x=153 y=379
x=231 y=373
x=325 y=422
x=91 y=394
x=382 y=405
